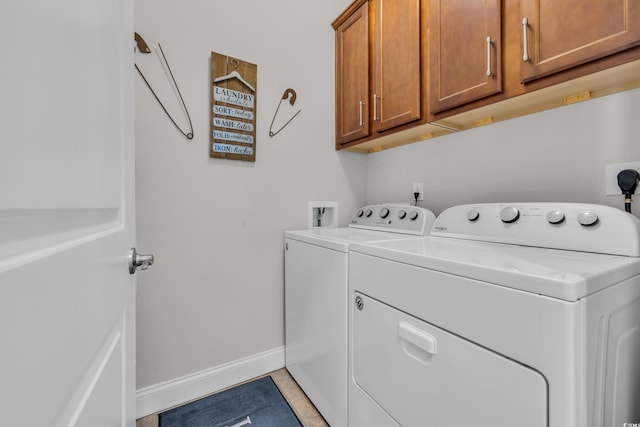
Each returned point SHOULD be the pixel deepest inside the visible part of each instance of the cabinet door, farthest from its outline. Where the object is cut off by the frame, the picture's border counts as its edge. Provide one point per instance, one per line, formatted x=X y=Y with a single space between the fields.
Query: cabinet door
x=557 y=35
x=465 y=52
x=396 y=68
x=352 y=77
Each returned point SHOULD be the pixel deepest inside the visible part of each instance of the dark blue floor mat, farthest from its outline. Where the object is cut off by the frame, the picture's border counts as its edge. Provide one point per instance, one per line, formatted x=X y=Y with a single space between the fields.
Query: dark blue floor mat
x=254 y=404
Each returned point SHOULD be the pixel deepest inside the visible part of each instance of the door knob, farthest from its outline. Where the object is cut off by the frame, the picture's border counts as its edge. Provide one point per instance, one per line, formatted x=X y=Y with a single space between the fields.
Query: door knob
x=138 y=260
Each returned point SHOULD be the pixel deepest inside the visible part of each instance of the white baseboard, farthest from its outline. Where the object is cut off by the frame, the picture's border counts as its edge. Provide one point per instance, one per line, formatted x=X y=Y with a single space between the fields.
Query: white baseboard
x=159 y=397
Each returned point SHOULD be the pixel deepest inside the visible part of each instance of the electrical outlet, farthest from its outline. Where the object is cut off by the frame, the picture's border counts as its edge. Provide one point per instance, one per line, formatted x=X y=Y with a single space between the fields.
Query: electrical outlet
x=611 y=176
x=418 y=188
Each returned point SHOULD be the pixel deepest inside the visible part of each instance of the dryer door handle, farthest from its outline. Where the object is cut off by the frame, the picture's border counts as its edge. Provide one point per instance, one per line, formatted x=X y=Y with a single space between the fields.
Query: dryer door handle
x=418 y=337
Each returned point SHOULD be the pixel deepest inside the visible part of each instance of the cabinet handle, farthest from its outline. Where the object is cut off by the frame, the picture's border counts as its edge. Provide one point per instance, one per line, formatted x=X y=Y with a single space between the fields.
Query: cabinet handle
x=375 y=107
x=525 y=43
x=361 y=107
x=489 y=73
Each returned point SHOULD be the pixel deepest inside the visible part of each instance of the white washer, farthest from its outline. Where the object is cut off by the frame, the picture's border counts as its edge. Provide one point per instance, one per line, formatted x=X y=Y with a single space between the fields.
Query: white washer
x=316 y=298
x=526 y=314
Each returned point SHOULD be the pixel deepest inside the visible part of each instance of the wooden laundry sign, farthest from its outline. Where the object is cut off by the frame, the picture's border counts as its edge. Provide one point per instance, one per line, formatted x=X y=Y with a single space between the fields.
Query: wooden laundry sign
x=233 y=108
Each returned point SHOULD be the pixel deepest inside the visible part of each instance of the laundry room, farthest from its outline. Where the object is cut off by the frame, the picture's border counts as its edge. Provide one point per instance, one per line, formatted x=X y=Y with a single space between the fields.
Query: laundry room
x=210 y=311
x=164 y=163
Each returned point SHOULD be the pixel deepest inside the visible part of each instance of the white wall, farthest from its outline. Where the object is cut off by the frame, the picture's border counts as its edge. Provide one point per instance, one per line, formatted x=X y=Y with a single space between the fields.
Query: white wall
x=215 y=293
x=555 y=155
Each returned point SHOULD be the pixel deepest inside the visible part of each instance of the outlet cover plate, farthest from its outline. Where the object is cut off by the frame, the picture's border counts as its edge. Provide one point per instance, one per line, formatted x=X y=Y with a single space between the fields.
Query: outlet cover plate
x=418 y=187
x=611 y=176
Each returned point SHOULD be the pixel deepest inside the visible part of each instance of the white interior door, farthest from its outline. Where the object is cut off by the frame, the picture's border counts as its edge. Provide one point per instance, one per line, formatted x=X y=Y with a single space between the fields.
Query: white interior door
x=67 y=300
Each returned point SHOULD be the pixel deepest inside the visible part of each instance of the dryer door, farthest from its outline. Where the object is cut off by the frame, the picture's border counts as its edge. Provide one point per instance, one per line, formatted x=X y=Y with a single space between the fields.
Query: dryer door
x=421 y=375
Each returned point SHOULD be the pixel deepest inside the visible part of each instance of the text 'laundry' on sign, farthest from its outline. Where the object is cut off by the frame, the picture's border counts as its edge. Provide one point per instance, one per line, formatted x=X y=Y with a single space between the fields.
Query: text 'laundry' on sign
x=234 y=97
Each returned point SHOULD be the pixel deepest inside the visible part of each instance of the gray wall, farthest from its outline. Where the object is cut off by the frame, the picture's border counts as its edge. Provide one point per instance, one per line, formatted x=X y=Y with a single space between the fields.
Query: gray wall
x=555 y=155
x=215 y=294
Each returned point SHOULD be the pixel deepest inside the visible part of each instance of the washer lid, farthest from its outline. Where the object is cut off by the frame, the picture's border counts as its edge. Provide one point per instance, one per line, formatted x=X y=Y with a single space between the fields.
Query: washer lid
x=369 y=224
x=339 y=239
x=562 y=274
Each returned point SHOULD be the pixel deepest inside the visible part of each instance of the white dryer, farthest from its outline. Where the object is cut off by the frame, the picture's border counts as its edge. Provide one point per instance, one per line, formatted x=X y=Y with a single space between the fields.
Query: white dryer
x=523 y=314
x=316 y=298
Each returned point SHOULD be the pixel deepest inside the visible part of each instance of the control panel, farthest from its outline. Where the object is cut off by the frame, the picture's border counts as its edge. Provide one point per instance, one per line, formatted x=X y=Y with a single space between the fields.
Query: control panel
x=405 y=219
x=570 y=226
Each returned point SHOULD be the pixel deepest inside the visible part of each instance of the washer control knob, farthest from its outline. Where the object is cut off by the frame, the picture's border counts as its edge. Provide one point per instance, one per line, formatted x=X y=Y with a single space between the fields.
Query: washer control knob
x=368 y=213
x=402 y=214
x=359 y=213
x=555 y=217
x=384 y=212
x=473 y=215
x=413 y=215
x=509 y=214
x=588 y=218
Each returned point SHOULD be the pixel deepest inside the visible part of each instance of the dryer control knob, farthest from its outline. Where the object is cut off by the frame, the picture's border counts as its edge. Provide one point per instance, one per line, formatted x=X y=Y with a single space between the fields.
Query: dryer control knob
x=359 y=213
x=588 y=218
x=413 y=215
x=509 y=214
x=555 y=217
x=473 y=215
x=384 y=212
x=368 y=213
x=402 y=214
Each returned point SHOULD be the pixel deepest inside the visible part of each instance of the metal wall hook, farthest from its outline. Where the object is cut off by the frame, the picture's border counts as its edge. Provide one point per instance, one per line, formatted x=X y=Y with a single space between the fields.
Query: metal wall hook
x=289 y=94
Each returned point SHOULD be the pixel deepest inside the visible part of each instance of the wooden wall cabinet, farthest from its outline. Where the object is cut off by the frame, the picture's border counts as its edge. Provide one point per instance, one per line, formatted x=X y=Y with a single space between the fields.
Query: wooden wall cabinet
x=409 y=70
x=537 y=43
x=397 y=63
x=465 y=52
x=558 y=35
x=352 y=75
x=379 y=68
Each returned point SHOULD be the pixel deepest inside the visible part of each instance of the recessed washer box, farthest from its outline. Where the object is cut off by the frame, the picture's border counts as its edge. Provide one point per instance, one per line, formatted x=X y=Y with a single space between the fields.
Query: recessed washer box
x=323 y=214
